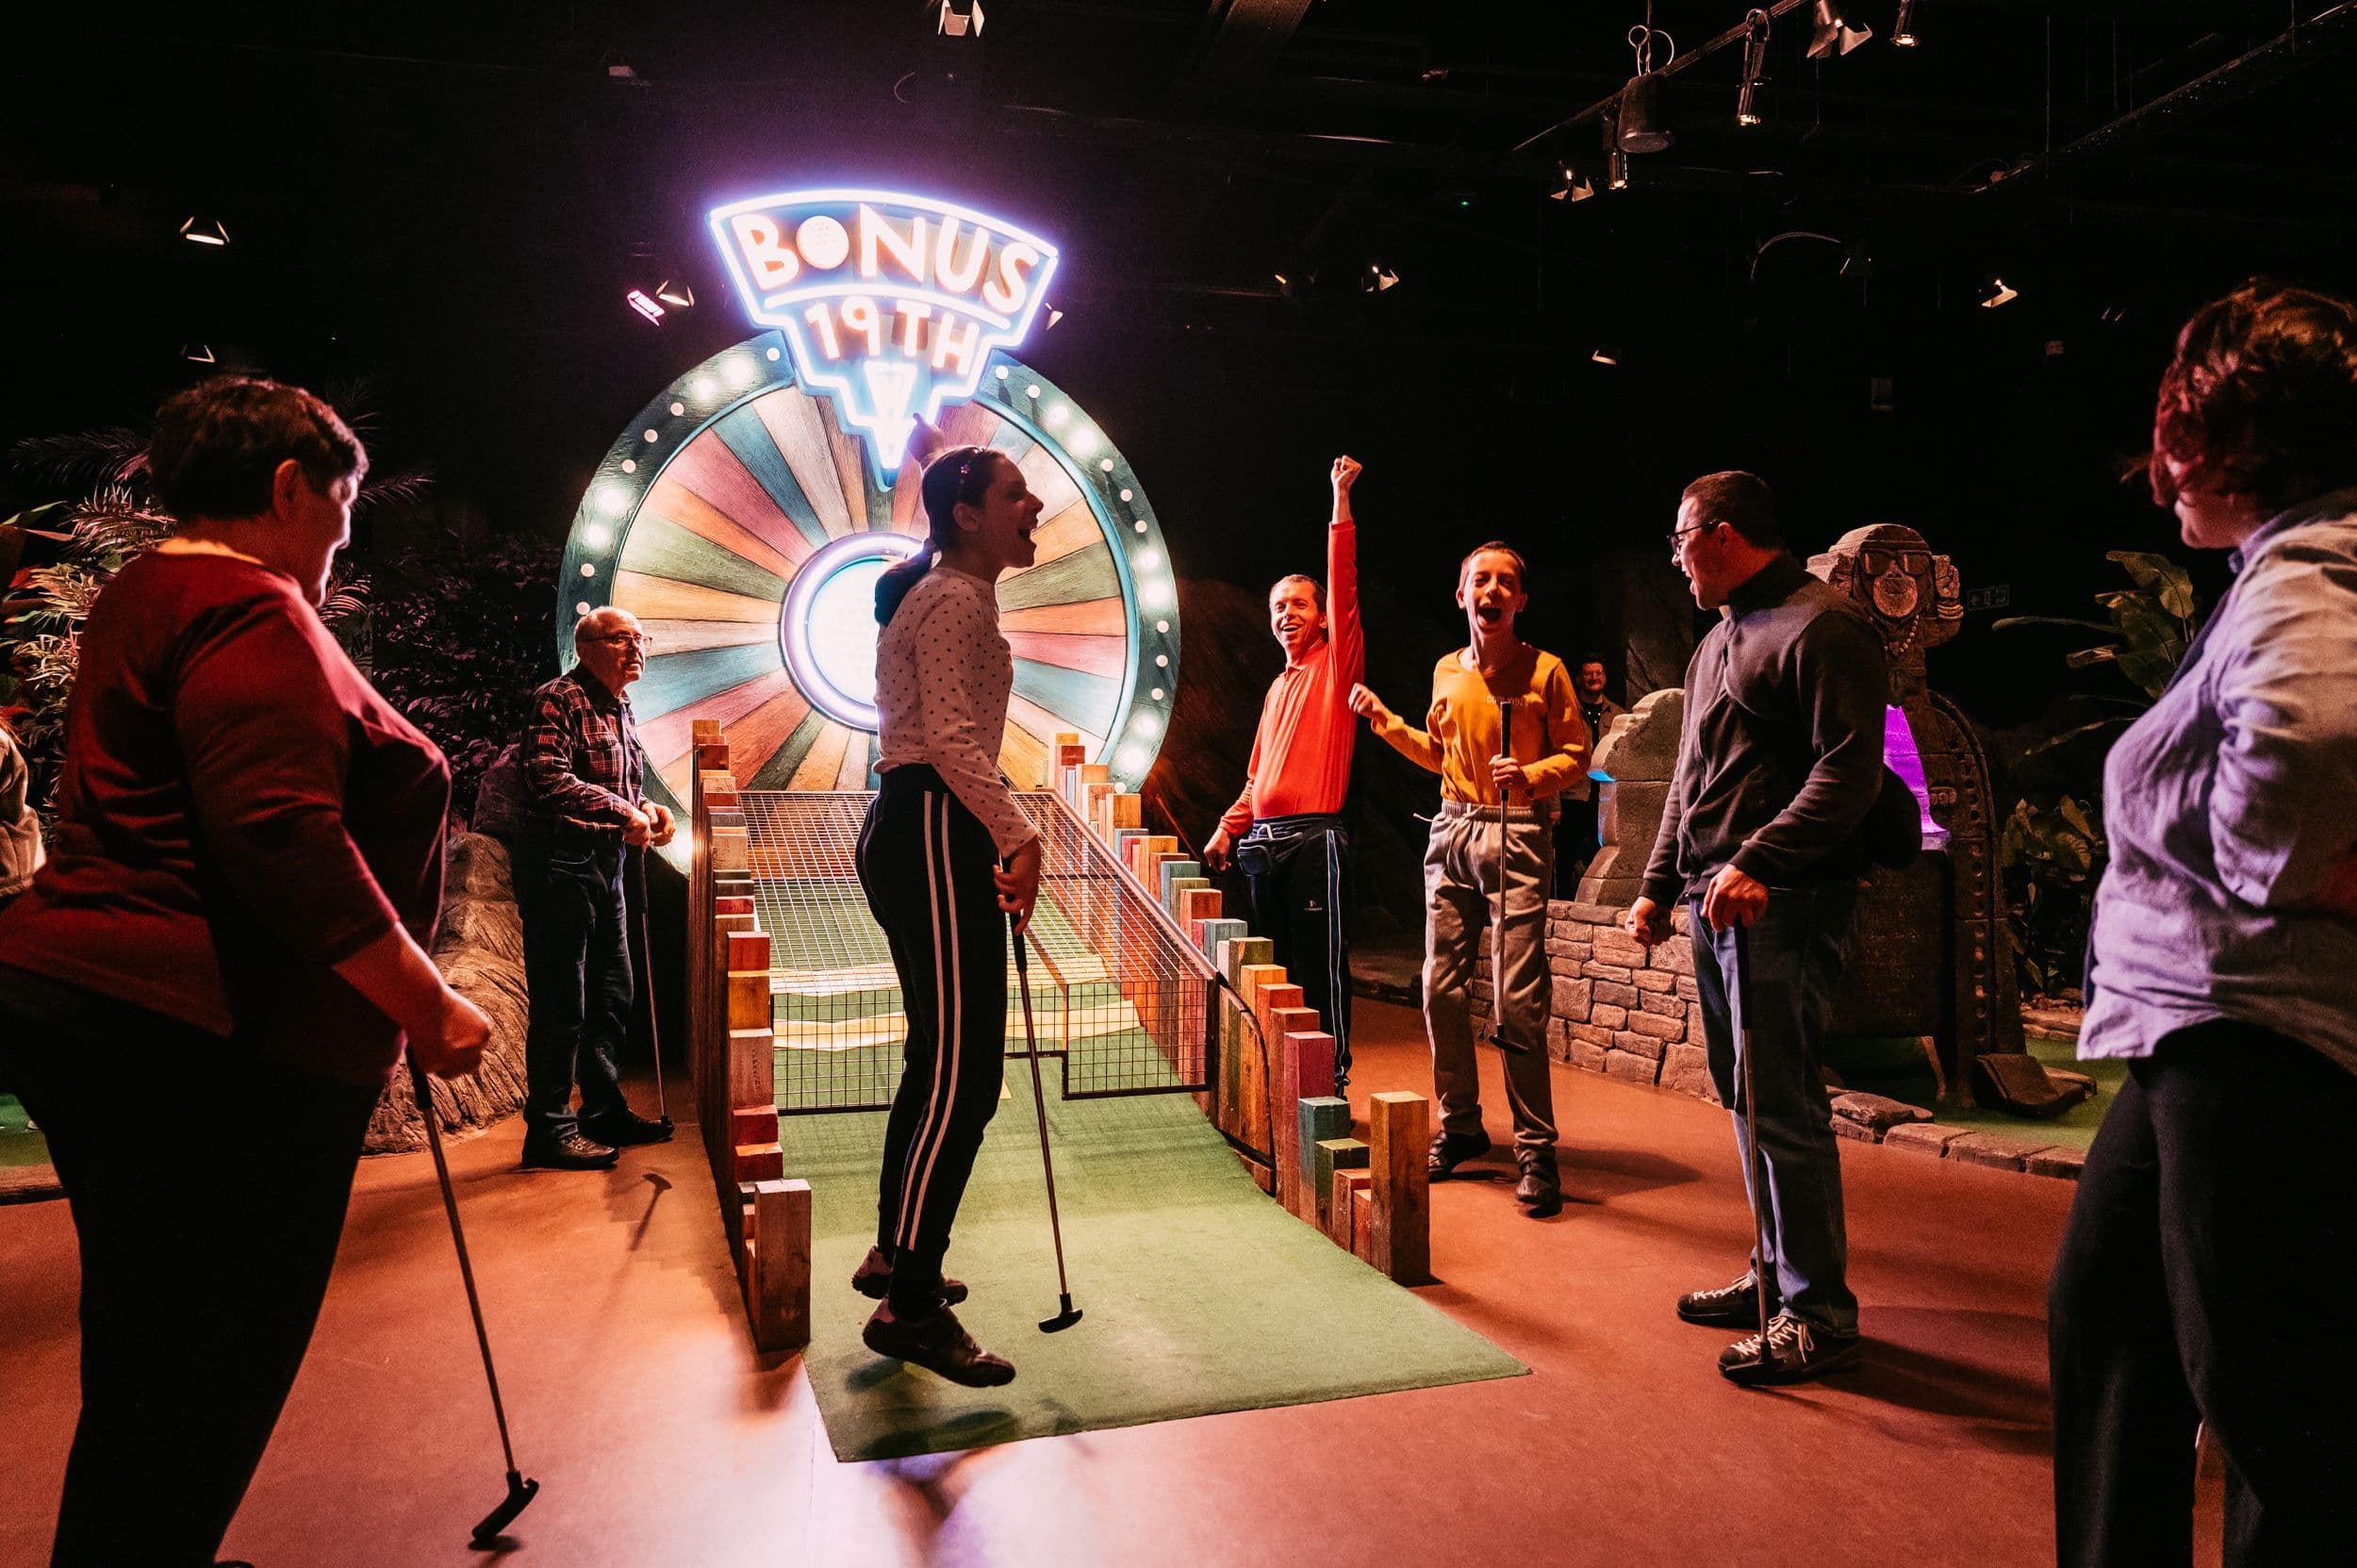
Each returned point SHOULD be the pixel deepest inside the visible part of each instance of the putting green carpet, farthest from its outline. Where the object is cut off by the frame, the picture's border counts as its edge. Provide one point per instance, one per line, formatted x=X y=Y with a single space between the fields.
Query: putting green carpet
x=1200 y=1294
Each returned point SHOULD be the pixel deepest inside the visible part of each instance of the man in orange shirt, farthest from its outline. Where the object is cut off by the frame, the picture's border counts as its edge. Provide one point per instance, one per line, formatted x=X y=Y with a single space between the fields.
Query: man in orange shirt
x=1492 y=846
x=1286 y=829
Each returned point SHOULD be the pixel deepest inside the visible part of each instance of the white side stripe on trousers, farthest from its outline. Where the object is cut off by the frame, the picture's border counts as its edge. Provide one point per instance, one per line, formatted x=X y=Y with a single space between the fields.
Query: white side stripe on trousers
x=949 y=1020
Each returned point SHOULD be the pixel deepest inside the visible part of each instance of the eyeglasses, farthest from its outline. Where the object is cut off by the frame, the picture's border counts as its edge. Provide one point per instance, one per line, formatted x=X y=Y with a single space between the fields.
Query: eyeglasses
x=636 y=639
x=1677 y=540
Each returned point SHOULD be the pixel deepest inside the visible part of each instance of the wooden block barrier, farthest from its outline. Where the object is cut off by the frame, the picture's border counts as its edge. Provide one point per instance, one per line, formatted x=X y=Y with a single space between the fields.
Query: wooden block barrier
x=1168 y=875
x=1402 y=1244
x=1315 y=1120
x=1328 y=1158
x=1128 y=811
x=1306 y=1074
x=777 y=1261
x=752 y=1068
x=1222 y=930
x=1362 y=1223
x=1343 y=1206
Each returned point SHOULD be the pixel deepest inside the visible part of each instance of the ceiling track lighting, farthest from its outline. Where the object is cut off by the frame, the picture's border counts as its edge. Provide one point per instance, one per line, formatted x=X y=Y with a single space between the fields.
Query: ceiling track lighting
x=1571 y=185
x=1834 y=35
x=680 y=293
x=1755 y=67
x=1998 y=293
x=1640 y=120
x=200 y=230
x=1903 y=30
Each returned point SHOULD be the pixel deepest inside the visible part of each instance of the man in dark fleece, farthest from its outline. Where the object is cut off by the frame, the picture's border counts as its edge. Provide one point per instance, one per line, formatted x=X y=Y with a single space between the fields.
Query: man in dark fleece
x=1765 y=834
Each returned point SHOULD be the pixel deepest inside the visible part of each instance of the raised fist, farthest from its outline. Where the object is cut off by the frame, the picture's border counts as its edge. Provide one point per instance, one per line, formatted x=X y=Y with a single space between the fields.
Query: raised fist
x=1346 y=471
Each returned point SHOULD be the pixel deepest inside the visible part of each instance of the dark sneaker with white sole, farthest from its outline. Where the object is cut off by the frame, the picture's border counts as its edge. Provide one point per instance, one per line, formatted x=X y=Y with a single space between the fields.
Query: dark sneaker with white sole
x=1799 y=1350
x=1734 y=1306
x=1452 y=1149
x=873 y=1279
x=938 y=1343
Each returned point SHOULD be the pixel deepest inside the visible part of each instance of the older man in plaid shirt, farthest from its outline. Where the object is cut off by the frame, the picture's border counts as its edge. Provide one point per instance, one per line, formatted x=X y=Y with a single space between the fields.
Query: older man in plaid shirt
x=583 y=772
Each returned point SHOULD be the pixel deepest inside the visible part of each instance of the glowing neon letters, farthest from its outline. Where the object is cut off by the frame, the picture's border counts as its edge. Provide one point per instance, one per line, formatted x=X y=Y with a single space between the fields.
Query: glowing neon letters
x=890 y=303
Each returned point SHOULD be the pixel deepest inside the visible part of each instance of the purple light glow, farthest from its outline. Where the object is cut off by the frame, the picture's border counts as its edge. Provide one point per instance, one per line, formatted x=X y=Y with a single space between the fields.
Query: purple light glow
x=1899 y=753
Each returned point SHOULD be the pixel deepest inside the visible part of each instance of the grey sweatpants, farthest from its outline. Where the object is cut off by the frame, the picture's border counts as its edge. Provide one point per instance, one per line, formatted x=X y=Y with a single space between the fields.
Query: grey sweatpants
x=1461 y=889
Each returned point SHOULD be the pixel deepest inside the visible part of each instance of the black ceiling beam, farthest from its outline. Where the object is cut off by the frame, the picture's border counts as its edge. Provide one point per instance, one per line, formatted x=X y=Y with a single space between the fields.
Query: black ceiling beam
x=1247 y=36
x=2298 y=47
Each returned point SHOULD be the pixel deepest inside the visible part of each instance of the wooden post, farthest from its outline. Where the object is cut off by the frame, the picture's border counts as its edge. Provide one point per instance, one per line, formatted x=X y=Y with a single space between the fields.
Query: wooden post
x=1221 y=929
x=1285 y=1016
x=1197 y=905
x=1233 y=958
x=1128 y=812
x=1342 y=1214
x=1309 y=1078
x=777 y=1264
x=1167 y=876
x=1329 y=1157
x=1256 y=1077
x=751 y=1069
x=1362 y=1223
x=1403 y=1215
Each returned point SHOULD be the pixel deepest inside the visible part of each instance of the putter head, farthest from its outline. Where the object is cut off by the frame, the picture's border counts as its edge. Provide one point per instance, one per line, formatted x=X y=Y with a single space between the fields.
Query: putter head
x=1062 y=1320
x=1510 y=1046
x=521 y=1490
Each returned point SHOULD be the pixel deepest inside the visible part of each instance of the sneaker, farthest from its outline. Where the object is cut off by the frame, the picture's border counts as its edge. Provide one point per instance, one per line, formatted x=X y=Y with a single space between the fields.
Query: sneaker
x=938 y=1343
x=873 y=1279
x=1798 y=1351
x=1452 y=1149
x=1731 y=1305
x=570 y=1153
x=624 y=1129
x=1540 y=1190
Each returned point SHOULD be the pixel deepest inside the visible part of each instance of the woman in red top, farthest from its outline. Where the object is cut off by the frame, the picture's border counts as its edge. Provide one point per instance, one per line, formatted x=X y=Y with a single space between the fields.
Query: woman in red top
x=247 y=867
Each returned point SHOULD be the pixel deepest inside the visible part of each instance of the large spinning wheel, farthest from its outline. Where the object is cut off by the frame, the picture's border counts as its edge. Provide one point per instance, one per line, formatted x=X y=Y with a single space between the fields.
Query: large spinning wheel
x=744 y=528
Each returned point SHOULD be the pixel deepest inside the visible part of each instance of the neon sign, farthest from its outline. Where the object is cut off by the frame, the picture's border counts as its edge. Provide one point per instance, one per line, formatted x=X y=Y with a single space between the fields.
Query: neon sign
x=891 y=303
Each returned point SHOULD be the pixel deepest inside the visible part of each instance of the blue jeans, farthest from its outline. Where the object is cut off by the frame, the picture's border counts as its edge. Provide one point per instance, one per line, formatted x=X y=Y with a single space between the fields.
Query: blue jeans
x=577 y=964
x=1795 y=951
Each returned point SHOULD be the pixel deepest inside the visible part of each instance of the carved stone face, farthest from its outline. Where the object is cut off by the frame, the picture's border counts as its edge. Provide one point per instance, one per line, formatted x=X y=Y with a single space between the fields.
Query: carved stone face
x=1914 y=597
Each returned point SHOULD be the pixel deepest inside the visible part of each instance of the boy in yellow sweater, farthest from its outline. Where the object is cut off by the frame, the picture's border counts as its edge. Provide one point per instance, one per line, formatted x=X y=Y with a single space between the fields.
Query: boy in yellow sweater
x=1495 y=826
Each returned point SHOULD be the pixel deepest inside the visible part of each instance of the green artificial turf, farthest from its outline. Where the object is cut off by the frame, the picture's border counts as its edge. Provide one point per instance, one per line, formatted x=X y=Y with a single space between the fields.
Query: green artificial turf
x=1200 y=1294
x=20 y=1145
x=1881 y=1067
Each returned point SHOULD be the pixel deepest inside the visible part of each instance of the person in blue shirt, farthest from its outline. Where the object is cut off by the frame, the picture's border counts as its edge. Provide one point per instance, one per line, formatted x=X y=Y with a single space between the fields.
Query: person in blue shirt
x=2213 y=1236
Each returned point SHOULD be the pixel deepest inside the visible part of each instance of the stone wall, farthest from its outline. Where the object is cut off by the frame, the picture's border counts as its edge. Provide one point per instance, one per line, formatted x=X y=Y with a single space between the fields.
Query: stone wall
x=1618 y=1009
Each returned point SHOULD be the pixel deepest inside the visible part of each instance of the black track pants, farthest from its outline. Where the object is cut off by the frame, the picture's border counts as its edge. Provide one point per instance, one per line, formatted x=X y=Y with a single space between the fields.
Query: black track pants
x=926 y=864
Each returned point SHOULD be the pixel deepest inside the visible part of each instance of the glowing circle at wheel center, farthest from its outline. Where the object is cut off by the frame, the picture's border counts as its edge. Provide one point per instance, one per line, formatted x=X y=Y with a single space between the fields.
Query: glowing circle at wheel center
x=828 y=629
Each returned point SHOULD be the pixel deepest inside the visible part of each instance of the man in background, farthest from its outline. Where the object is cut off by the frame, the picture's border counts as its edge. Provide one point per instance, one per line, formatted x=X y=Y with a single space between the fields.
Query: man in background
x=1285 y=830
x=1575 y=834
x=583 y=773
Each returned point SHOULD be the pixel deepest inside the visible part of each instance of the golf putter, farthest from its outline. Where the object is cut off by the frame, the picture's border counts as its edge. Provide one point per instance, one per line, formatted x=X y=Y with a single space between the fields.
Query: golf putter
x=1752 y=1174
x=1068 y=1314
x=522 y=1489
x=654 y=1002
x=1499 y=1036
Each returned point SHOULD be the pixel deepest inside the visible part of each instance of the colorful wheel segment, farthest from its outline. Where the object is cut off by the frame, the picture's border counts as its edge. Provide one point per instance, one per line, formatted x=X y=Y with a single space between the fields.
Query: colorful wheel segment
x=744 y=529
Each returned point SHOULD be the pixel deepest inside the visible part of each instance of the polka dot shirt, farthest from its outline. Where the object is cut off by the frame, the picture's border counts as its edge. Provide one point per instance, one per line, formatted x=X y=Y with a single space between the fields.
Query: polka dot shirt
x=942 y=672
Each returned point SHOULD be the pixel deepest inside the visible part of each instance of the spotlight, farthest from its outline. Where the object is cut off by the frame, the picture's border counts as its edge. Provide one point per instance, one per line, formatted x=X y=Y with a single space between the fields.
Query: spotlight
x=200 y=230
x=1054 y=315
x=961 y=18
x=1833 y=36
x=2115 y=314
x=1616 y=170
x=681 y=293
x=1378 y=278
x=1903 y=30
x=638 y=300
x=1637 y=126
x=201 y=354
x=1997 y=293
x=1605 y=354
x=1755 y=67
x=1571 y=185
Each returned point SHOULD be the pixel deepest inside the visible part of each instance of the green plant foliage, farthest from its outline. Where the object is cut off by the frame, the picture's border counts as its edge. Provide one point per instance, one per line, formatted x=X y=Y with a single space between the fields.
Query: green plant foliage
x=2055 y=854
x=462 y=641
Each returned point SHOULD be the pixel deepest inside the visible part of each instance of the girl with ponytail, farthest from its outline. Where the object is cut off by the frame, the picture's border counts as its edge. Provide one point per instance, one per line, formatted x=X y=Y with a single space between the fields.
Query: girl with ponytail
x=930 y=860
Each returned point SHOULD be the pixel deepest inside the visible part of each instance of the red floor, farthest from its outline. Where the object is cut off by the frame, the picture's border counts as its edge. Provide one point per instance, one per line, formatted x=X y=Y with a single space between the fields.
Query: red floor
x=660 y=1439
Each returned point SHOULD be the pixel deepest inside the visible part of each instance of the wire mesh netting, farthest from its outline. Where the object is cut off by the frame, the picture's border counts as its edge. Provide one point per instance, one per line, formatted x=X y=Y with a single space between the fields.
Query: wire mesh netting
x=1119 y=997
